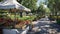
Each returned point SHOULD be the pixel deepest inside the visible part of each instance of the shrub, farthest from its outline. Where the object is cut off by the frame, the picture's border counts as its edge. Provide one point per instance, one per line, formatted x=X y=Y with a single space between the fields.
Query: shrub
x=58 y=21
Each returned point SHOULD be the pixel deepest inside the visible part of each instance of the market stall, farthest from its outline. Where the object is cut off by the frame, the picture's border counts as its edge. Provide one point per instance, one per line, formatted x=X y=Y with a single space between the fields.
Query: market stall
x=11 y=6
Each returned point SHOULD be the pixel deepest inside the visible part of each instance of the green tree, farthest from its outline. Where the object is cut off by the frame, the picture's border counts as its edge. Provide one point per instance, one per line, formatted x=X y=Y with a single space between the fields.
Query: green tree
x=40 y=10
x=19 y=1
x=43 y=9
x=0 y=0
x=31 y=4
x=54 y=6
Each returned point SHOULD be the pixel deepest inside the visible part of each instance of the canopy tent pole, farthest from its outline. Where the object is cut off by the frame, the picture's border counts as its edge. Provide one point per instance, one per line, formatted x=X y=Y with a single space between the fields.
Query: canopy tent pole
x=21 y=14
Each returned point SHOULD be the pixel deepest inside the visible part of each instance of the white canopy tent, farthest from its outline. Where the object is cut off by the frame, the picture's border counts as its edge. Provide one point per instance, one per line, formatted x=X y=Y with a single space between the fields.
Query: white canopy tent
x=11 y=4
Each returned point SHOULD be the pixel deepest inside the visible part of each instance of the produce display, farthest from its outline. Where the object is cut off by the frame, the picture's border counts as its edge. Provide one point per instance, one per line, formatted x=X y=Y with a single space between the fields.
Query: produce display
x=15 y=21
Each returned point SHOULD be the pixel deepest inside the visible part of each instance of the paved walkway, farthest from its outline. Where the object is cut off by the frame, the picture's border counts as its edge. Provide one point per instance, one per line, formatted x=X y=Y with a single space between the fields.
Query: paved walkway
x=42 y=26
x=46 y=27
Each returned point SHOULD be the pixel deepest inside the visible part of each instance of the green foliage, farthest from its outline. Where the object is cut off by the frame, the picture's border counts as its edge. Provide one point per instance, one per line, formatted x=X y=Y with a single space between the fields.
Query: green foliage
x=19 y=1
x=54 y=6
x=58 y=21
x=0 y=0
x=29 y=4
x=42 y=10
x=54 y=17
x=22 y=18
x=31 y=18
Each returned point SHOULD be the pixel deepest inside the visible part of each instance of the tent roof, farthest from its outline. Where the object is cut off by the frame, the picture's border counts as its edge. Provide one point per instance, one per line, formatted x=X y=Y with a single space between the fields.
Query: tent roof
x=11 y=4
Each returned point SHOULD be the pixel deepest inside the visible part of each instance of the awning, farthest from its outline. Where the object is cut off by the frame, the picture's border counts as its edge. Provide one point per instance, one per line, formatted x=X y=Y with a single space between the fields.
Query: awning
x=11 y=4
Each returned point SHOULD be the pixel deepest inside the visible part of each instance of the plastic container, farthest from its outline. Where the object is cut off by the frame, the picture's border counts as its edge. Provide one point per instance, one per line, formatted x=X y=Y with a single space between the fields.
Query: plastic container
x=9 y=31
